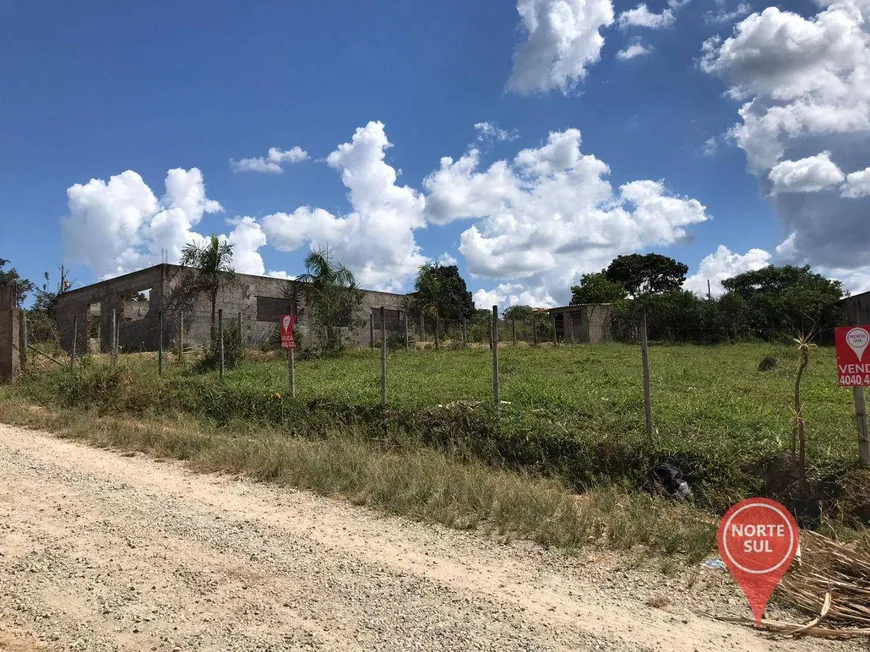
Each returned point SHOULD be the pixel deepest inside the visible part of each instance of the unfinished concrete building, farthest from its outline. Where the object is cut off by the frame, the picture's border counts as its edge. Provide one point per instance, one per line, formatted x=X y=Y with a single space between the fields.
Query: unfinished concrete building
x=134 y=303
x=589 y=322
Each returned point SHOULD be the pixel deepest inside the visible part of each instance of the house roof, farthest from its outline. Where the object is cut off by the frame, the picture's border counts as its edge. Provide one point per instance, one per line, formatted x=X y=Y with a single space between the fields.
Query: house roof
x=854 y=296
x=578 y=305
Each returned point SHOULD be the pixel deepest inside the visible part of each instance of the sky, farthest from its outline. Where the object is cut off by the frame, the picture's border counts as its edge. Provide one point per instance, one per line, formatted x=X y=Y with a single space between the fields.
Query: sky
x=527 y=141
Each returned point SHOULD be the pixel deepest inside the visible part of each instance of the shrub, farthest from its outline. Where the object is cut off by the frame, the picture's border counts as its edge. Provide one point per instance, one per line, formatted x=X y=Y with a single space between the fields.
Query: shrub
x=234 y=351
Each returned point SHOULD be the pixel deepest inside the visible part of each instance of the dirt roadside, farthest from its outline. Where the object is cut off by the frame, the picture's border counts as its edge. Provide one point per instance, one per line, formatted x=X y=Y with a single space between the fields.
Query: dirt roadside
x=101 y=551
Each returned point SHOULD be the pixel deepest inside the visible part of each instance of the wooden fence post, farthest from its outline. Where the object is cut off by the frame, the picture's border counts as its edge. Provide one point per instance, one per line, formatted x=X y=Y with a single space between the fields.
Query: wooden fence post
x=22 y=339
x=160 y=344
x=437 y=324
x=372 y=330
x=291 y=370
x=535 y=330
x=221 y=343
x=383 y=359
x=114 y=336
x=464 y=332
x=514 y=330
x=494 y=337
x=407 y=332
x=72 y=357
x=291 y=360
x=647 y=400
x=861 y=418
x=555 y=334
x=422 y=327
x=181 y=336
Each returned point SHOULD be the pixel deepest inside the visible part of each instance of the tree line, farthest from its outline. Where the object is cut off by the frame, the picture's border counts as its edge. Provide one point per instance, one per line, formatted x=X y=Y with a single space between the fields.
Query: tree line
x=772 y=303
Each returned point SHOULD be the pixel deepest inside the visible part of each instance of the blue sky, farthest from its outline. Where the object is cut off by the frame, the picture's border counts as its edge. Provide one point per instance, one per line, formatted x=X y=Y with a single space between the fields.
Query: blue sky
x=93 y=89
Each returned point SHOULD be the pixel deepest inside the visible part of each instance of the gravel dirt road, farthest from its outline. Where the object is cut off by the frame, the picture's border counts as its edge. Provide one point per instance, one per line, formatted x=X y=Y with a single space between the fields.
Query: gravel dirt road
x=102 y=551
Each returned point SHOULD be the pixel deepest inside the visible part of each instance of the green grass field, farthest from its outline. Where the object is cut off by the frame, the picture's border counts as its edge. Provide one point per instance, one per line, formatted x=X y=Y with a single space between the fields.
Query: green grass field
x=572 y=423
x=574 y=412
x=711 y=396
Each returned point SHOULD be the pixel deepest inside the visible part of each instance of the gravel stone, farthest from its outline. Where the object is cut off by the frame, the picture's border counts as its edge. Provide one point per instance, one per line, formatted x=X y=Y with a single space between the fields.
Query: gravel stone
x=100 y=551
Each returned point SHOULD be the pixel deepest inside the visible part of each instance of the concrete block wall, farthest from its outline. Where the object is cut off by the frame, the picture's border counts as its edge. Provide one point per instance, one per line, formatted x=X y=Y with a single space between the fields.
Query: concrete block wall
x=856 y=309
x=589 y=323
x=598 y=323
x=134 y=335
x=281 y=296
x=9 y=357
x=141 y=331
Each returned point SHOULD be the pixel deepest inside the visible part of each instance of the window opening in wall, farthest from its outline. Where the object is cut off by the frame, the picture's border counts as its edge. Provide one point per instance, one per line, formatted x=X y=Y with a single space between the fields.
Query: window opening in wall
x=94 y=317
x=135 y=305
x=271 y=308
x=391 y=318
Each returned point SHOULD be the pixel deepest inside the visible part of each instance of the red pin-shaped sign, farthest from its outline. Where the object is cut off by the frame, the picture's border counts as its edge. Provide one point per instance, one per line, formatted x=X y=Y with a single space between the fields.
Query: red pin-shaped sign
x=758 y=538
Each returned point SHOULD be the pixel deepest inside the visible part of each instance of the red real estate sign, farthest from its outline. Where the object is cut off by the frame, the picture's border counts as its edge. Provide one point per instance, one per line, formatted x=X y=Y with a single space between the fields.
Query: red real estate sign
x=853 y=359
x=287 y=322
x=758 y=538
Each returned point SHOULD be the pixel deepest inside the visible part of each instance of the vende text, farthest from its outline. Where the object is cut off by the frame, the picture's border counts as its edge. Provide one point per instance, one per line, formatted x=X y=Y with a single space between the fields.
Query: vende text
x=854 y=368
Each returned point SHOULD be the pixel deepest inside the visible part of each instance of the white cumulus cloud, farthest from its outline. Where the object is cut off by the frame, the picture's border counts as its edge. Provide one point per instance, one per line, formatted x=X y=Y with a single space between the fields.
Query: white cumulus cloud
x=280 y=274
x=804 y=87
x=376 y=239
x=549 y=215
x=723 y=264
x=119 y=226
x=641 y=16
x=505 y=295
x=272 y=162
x=247 y=238
x=562 y=39
x=857 y=184
x=447 y=260
x=711 y=146
x=810 y=174
x=490 y=131
x=723 y=16
x=632 y=51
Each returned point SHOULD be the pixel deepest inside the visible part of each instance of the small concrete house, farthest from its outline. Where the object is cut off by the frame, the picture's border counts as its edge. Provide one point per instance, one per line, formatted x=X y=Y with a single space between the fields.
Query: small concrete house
x=588 y=323
x=856 y=309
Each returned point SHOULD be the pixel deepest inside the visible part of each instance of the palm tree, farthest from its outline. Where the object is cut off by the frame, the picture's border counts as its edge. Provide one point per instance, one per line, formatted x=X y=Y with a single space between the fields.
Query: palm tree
x=212 y=262
x=331 y=289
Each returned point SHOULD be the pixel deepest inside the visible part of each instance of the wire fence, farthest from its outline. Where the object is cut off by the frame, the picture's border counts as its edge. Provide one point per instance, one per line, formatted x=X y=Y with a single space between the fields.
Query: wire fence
x=218 y=340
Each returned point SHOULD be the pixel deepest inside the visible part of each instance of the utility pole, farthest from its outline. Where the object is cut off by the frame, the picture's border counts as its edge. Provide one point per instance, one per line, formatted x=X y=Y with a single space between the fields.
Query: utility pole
x=709 y=294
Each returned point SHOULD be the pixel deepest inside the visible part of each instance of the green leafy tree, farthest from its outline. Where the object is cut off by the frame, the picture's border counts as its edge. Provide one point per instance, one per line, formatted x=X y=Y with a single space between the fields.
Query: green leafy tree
x=440 y=288
x=42 y=316
x=20 y=286
x=597 y=288
x=782 y=301
x=646 y=273
x=528 y=320
x=211 y=262
x=518 y=313
x=331 y=289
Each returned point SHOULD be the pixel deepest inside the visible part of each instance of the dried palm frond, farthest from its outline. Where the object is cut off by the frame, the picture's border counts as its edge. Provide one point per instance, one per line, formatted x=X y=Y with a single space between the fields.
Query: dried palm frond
x=830 y=567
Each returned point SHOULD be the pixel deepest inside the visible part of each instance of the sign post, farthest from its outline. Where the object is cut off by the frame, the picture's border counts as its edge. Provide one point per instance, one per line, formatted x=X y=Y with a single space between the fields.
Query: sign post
x=758 y=538
x=288 y=342
x=853 y=371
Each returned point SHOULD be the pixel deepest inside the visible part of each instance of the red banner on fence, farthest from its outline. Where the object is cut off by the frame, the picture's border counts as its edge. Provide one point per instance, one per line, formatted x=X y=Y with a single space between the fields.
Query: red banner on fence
x=287 y=340
x=853 y=358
